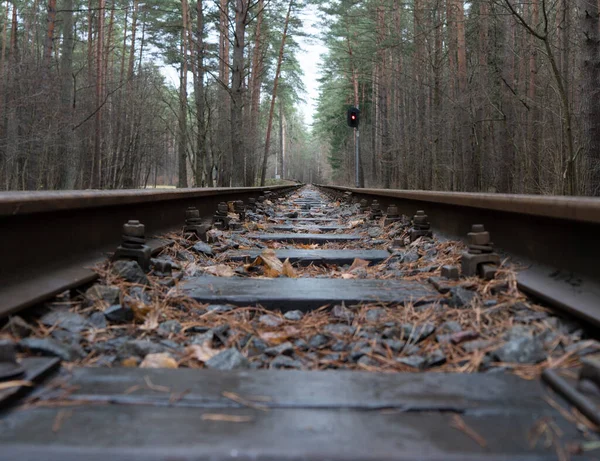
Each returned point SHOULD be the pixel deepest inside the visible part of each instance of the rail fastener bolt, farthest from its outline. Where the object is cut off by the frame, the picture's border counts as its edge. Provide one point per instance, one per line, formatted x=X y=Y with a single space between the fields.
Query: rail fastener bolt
x=133 y=245
x=420 y=226
x=392 y=215
x=450 y=272
x=193 y=225
x=375 y=210
x=480 y=259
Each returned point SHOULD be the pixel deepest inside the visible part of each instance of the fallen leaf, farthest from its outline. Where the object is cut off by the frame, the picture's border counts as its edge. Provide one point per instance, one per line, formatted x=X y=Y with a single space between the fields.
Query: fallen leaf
x=220 y=270
x=151 y=321
x=202 y=352
x=274 y=337
x=161 y=360
x=353 y=224
x=130 y=362
x=288 y=270
x=273 y=266
x=348 y=276
x=358 y=264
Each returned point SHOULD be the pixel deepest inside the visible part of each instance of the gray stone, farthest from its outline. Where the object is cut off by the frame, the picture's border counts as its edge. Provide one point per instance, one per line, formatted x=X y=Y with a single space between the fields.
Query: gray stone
x=367 y=362
x=391 y=332
x=449 y=327
x=286 y=348
x=414 y=361
x=583 y=348
x=521 y=350
x=411 y=349
x=444 y=339
x=69 y=321
x=374 y=315
x=257 y=345
x=530 y=316
x=229 y=359
x=50 y=347
x=340 y=312
x=394 y=344
x=139 y=348
x=119 y=313
x=436 y=358
x=130 y=271
x=410 y=256
x=358 y=353
x=375 y=232
x=203 y=248
x=518 y=331
x=97 y=320
x=283 y=361
x=318 y=341
x=221 y=333
x=335 y=357
x=109 y=346
x=203 y=338
x=171 y=344
x=490 y=303
x=219 y=308
x=440 y=284
x=301 y=344
x=169 y=327
x=338 y=329
x=270 y=321
x=67 y=337
x=293 y=315
x=108 y=294
x=417 y=333
x=339 y=346
x=472 y=346
x=18 y=327
x=461 y=297
x=140 y=294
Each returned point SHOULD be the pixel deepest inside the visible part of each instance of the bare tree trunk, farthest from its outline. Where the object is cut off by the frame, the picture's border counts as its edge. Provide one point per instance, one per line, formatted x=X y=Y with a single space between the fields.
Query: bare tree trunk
x=256 y=78
x=237 y=93
x=274 y=95
x=96 y=166
x=224 y=122
x=590 y=87
x=67 y=152
x=182 y=181
x=200 y=157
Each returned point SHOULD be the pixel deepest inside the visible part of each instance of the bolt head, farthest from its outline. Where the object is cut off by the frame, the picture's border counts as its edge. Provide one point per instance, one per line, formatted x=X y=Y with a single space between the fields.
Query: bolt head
x=192 y=213
x=420 y=213
x=134 y=228
x=477 y=228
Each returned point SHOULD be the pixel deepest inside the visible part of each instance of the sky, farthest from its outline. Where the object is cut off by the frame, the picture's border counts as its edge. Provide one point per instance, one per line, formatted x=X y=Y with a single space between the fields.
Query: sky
x=312 y=48
x=310 y=59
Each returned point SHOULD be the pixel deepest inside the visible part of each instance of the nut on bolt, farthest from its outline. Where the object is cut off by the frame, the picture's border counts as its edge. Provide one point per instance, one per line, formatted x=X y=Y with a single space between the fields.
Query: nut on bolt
x=420 y=226
x=133 y=245
x=480 y=259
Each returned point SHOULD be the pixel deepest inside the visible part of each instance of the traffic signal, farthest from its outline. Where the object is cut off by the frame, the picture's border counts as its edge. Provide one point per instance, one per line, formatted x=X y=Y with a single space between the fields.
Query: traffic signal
x=353 y=117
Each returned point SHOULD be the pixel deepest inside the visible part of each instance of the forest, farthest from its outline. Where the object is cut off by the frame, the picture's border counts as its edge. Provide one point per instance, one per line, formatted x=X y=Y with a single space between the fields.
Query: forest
x=478 y=96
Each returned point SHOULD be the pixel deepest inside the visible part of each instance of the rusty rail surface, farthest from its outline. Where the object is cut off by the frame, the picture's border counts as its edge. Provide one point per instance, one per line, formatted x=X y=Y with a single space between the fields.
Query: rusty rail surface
x=556 y=238
x=49 y=240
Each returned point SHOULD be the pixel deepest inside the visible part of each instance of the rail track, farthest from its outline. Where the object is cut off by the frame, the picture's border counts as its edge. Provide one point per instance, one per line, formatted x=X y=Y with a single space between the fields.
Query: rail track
x=309 y=323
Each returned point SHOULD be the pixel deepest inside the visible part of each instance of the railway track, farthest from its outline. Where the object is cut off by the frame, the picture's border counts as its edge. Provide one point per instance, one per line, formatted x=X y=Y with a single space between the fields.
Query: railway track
x=309 y=323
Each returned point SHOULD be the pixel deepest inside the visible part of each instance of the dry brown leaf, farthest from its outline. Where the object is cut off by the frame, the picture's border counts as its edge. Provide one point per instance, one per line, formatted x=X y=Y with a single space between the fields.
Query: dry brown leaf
x=348 y=276
x=162 y=360
x=353 y=224
x=202 y=352
x=130 y=362
x=273 y=266
x=274 y=337
x=140 y=309
x=220 y=270
x=358 y=264
x=151 y=321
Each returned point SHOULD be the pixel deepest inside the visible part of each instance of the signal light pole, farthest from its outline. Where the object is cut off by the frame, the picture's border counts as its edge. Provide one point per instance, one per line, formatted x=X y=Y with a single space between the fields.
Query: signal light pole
x=353 y=119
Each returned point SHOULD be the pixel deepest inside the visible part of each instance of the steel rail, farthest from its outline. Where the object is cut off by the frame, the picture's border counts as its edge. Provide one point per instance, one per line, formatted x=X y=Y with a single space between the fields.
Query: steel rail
x=50 y=240
x=556 y=238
